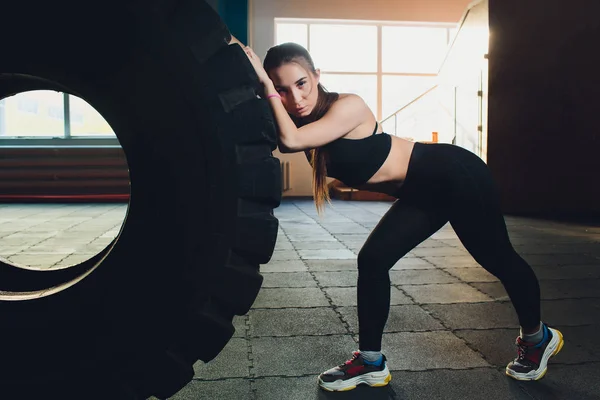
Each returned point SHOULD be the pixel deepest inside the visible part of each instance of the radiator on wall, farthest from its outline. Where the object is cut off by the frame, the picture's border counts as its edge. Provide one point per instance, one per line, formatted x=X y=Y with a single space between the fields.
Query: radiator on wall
x=286 y=175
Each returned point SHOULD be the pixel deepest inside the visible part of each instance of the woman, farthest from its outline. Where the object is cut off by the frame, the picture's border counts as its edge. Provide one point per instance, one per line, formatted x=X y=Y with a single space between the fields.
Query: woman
x=433 y=184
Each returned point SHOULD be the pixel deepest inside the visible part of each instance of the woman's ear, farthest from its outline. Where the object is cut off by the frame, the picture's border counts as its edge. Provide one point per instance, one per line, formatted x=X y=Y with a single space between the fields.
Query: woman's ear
x=318 y=74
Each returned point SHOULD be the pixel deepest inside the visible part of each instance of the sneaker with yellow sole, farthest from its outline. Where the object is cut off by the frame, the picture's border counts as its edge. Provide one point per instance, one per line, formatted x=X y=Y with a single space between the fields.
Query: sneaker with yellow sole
x=353 y=373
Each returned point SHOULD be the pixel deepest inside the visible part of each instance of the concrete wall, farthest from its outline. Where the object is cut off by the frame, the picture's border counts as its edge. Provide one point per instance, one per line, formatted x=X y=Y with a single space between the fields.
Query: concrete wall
x=262 y=36
x=544 y=140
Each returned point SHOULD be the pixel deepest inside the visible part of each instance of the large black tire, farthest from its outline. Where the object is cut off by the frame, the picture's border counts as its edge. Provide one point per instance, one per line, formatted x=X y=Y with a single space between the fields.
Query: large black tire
x=131 y=322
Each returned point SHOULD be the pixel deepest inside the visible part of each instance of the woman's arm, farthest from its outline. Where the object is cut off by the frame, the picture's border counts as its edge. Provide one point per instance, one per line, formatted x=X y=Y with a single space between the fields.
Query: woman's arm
x=343 y=116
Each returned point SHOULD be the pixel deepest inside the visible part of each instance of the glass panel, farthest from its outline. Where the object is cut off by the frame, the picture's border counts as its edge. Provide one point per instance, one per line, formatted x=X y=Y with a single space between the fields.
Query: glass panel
x=411 y=49
x=419 y=120
x=86 y=121
x=400 y=90
x=297 y=33
x=451 y=33
x=37 y=113
x=363 y=85
x=344 y=48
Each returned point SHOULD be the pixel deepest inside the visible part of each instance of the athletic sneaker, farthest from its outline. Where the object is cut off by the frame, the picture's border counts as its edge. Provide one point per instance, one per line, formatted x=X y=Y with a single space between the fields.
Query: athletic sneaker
x=354 y=372
x=531 y=363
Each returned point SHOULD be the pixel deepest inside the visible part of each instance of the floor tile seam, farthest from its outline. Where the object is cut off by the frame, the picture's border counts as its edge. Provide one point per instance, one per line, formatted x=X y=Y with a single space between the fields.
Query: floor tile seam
x=500 y=300
x=539 y=279
x=315 y=374
x=386 y=332
x=448 y=328
x=311 y=335
x=475 y=288
x=250 y=356
x=434 y=283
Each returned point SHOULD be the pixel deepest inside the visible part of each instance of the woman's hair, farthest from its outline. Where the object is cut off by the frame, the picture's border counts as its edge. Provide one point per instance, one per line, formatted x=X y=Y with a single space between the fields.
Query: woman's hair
x=294 y=53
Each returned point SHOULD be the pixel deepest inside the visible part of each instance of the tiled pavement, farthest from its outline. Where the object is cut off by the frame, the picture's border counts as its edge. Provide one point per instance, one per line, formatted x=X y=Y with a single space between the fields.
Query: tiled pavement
x=451 y=329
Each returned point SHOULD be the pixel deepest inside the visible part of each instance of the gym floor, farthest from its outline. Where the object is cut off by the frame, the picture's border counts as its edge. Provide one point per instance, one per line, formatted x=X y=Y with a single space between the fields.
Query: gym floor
x=451 y=328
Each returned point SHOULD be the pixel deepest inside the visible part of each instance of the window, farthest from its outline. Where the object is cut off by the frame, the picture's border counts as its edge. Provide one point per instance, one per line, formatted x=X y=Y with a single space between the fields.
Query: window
x=355 y=47
x=297 y=33
x=399 y=90
x=413 y=49
x=45 y=114
x=38 y=113
x=362 y=85
x=388 y=64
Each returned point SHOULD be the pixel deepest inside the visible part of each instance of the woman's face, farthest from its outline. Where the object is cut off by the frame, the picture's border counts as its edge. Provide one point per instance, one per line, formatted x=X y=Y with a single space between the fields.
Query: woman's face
x=297 y=87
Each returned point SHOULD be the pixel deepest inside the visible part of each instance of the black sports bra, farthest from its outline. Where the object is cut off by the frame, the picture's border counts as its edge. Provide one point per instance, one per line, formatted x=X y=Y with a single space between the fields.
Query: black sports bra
x=355 y=161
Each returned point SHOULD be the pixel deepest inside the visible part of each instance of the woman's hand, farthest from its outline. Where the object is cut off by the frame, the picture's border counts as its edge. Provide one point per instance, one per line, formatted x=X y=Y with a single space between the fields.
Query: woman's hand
x=260 y=71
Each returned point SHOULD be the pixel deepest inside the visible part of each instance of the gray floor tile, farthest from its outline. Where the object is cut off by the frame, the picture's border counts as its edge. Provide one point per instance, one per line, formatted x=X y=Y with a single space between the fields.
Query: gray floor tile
x=571 y=311
x=239 y=323
x=311 y=237
x=344 y=228
x=471 y=274
x=288 y=279
x=432 y=243
x=346 y=296
x=302 y=354
x=423 y=276
x=444 y=293
x=407 y=317
x=493 y=289
x=295 y=322
x=464 y=261
x=570 y=289
x=475 y=316
x=324 y=254
x=412 y=263
x=284 y=246
x=332 y=265
x=438 y=251
x=568 y=272
x=479 y=383
x=428 y=350
x=232 y=362
x=572 y=382
x=560 y=259
x=290 y=297
x=319 y=245
x=353 y=237
x=284 y=255
x=301 y=388
x=339 y=278
x=284 y=266
x=229 y=389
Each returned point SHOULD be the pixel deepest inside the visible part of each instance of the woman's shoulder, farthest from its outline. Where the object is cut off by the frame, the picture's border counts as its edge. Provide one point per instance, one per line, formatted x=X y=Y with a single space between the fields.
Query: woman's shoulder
x=352 y=96
x=351 y=100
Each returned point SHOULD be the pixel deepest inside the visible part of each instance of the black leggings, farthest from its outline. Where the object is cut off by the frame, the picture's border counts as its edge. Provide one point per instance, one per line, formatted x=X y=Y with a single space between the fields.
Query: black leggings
x=443 y=183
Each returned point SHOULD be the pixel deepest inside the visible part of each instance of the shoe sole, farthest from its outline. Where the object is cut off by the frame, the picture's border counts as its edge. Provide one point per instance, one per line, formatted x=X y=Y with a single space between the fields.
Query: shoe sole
x=555 y=345
x=373 y=379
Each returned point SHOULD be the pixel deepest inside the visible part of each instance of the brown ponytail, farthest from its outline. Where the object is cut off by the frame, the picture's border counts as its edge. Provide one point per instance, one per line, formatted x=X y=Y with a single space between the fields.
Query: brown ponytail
x=318 y=156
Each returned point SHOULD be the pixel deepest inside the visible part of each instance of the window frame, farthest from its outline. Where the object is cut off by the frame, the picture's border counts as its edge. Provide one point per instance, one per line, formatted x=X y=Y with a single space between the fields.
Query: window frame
x=450 y=28
x=66 y=140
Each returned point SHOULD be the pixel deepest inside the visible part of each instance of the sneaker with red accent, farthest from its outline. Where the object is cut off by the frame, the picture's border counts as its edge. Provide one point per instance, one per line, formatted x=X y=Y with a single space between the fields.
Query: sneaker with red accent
x=531 y=363
x=354 y=372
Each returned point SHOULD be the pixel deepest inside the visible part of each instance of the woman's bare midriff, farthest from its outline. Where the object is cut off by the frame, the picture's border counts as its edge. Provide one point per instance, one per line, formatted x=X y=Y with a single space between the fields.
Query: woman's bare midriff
x=390 y=177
